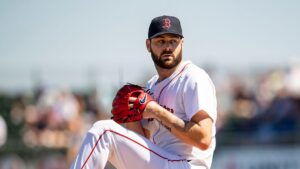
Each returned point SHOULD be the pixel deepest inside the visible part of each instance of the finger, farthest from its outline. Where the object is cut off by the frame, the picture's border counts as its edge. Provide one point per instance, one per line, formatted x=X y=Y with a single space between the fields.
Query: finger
x=130 y=106
x=132 y=99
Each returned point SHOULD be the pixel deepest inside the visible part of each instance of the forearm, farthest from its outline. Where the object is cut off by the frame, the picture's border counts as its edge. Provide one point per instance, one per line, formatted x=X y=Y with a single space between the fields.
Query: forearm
x=189 y=132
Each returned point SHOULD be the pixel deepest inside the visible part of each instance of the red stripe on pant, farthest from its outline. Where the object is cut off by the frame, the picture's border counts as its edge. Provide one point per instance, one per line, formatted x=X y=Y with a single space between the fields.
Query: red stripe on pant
x=130 y=140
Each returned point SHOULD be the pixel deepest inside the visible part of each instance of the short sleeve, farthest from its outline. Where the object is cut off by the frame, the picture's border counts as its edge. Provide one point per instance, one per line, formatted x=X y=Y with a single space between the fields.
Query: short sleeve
x=199 y=94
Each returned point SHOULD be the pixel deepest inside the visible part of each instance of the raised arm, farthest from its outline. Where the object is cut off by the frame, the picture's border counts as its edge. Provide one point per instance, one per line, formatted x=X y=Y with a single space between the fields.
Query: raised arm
x=197 y=131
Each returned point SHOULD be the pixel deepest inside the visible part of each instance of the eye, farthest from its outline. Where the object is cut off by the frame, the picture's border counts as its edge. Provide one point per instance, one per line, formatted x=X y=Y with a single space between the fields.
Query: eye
x=160 y=42
x=174 y=41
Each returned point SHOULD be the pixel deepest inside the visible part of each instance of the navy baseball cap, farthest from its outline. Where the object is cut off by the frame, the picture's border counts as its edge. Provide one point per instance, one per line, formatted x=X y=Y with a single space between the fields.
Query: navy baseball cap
x=164 y=25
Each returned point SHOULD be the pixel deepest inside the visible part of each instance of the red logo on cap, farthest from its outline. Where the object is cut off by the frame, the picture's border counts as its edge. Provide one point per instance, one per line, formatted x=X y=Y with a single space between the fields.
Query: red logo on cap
x=167 y=23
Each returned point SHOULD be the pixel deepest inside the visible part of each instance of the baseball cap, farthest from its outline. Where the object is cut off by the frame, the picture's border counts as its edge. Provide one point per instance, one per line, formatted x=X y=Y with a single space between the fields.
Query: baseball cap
x=163 y=25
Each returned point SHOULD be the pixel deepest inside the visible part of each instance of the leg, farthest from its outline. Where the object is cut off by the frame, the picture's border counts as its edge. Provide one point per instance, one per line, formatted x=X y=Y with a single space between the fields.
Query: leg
x=107 y=140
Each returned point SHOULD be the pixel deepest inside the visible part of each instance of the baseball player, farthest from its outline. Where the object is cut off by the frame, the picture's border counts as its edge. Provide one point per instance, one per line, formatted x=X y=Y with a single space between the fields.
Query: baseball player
x=169 y=124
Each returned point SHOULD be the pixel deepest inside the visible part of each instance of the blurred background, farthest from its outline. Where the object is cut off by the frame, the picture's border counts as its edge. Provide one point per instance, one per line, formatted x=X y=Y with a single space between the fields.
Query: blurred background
x=61 y=63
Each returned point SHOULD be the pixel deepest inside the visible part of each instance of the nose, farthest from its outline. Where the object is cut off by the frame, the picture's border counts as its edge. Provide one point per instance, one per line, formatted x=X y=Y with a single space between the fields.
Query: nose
x=168 y=47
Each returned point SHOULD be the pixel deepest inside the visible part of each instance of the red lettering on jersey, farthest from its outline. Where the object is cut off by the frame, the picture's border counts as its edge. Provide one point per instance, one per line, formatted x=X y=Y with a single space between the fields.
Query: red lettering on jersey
x=167 y=108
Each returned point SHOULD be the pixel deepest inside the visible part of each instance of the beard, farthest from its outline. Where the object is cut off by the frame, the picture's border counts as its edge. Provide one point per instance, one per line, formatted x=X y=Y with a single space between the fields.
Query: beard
x=166 y=63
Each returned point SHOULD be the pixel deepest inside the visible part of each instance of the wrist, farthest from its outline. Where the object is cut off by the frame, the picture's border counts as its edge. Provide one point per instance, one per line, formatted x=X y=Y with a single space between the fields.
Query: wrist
x=151 y=110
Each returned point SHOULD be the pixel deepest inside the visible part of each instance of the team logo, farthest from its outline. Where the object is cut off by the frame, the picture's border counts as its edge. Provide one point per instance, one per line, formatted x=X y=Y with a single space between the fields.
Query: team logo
x=167 y=23
x=143 y=100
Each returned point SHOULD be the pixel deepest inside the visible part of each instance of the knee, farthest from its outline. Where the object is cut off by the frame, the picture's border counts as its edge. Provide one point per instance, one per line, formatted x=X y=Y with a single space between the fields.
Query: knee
x=103 y=125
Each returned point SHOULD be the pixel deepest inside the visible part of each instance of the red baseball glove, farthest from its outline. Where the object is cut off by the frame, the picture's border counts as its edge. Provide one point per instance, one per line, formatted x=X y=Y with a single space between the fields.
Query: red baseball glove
x=121 y=111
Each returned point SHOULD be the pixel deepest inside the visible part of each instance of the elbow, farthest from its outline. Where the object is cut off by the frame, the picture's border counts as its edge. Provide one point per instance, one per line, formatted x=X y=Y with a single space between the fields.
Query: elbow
x=204 y=143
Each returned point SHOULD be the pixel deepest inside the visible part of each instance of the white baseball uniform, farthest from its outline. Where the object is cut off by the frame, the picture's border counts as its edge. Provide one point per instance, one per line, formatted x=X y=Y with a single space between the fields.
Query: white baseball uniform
x=188 y=90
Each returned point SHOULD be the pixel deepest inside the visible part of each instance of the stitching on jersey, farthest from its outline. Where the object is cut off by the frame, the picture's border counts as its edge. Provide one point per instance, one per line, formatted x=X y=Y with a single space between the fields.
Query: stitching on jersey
x=130 y=140
x=171 y=81
x=154 y=135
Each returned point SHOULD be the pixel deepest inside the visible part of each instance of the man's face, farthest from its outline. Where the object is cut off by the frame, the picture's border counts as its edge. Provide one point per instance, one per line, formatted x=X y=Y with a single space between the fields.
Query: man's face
x=166 y=50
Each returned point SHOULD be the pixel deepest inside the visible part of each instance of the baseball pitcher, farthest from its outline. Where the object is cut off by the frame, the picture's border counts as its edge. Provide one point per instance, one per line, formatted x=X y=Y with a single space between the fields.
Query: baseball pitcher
x=168 y=124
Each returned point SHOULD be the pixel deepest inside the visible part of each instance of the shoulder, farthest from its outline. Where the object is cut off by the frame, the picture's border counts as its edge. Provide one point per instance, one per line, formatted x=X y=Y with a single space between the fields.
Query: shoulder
x=195 y=73
x=195 y=77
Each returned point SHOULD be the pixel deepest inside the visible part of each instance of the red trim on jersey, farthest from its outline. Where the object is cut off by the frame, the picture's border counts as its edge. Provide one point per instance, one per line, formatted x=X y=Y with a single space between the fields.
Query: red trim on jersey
x=130 y=140
x=171 y=81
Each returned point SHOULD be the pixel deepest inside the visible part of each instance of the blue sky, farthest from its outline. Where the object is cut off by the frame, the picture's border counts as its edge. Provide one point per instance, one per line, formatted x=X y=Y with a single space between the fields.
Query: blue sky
x=73 y=42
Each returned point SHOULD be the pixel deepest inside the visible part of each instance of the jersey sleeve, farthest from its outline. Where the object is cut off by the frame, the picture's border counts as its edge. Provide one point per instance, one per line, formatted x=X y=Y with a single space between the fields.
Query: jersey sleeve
x=199 y=94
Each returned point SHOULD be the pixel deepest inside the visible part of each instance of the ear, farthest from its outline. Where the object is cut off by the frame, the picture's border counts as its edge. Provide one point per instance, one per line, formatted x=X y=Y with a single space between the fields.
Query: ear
x=148 y=44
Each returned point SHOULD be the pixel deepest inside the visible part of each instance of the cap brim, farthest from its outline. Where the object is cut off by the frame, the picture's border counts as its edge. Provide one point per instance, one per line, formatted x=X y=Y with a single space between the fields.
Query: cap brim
x=162 y=33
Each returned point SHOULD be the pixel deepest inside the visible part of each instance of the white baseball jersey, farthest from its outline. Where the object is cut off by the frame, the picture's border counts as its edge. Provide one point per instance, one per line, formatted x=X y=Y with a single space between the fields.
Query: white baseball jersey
x=184 y=93
x=187 y=91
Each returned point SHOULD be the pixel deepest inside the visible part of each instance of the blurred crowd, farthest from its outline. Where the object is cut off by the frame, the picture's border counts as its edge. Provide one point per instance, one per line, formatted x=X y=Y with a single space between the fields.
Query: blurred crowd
x=49 y=120
x=259 y=108
x=264 y=109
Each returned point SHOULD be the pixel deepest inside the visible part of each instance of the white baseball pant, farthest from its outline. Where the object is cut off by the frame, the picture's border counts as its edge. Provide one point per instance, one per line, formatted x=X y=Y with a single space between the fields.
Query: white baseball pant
x=125 y=149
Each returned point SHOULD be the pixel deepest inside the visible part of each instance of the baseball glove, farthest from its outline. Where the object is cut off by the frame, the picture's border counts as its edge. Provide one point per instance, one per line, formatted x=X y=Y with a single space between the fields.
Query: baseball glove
x=121 y=111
